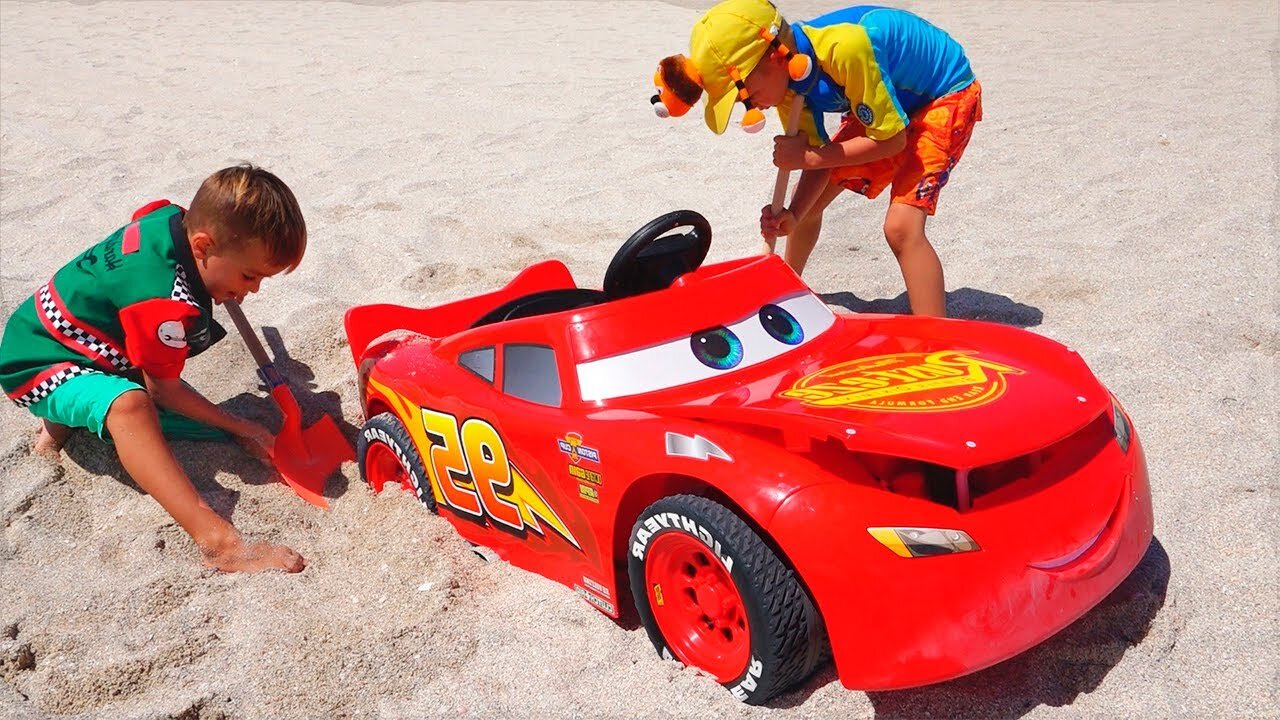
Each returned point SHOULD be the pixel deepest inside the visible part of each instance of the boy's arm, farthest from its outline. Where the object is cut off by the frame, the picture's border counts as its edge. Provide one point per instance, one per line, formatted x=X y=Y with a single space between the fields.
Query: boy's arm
x=796 y=154
x=810 y=186
x=174 y=394
x=155 y=341
x=816 y=163
x=149 y=461
x=854 y=151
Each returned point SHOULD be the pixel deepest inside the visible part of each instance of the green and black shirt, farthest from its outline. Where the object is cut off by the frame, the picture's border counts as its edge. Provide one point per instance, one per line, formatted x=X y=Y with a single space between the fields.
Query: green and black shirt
x=133 y=302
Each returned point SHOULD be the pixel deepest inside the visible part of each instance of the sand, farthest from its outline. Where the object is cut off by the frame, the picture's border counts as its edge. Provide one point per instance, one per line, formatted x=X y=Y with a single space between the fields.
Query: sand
x=1119 y=197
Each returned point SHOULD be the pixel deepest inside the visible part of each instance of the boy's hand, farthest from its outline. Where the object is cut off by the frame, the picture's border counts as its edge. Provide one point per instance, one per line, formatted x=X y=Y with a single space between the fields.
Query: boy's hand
x=240 y=556
x=790 y=151
x=255 y=439
x=773 y=227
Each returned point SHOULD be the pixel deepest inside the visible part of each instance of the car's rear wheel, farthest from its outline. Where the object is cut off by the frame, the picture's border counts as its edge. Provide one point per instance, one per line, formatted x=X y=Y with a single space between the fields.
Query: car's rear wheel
x=387 y=454
x=712 y=594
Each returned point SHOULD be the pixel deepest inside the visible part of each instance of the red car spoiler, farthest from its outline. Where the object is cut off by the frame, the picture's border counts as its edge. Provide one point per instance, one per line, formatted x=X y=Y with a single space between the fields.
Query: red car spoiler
x=366 y=323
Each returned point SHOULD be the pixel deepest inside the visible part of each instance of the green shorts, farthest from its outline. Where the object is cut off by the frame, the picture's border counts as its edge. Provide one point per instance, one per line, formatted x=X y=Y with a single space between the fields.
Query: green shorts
x=83 y=402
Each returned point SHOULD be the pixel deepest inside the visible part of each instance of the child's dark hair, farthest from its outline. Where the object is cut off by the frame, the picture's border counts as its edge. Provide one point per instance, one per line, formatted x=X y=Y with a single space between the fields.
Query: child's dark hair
x=245 y=203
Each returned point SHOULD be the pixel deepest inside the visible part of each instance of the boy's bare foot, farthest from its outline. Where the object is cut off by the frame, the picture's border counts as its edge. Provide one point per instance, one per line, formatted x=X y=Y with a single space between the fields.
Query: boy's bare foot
x=255 y=557
x=51 y=438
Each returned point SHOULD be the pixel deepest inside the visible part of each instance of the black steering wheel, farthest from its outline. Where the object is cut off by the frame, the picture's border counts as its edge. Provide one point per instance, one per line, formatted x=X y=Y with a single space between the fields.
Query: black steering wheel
x=651 y=259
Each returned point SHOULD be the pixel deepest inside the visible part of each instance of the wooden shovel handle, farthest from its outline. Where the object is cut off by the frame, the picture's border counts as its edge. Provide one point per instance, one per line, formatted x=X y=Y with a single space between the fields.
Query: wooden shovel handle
x=247 y=332
x=784 y=176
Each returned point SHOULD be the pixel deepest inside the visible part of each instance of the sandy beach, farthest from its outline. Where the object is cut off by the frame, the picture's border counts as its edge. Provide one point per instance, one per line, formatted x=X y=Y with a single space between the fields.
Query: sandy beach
x=1119 y=197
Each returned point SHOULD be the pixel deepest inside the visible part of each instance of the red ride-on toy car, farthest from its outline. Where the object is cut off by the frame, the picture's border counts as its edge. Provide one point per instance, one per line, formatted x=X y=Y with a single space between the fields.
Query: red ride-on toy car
x=761 y=477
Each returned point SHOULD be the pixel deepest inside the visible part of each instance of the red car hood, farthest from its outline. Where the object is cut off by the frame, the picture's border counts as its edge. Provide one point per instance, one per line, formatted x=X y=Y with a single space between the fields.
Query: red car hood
x=955 y=393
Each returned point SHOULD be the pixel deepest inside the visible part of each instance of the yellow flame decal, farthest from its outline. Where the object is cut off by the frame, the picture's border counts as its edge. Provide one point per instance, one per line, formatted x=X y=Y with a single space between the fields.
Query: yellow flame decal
x=533 y=506
x=522 y=494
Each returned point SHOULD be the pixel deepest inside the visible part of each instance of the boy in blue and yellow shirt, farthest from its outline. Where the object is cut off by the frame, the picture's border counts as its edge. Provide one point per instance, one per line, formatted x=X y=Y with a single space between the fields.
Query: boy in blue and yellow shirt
x=906 y=94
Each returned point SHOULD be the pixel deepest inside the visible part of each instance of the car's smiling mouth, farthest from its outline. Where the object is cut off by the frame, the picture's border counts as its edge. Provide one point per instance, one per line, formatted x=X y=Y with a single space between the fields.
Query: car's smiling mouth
x=1096 y=553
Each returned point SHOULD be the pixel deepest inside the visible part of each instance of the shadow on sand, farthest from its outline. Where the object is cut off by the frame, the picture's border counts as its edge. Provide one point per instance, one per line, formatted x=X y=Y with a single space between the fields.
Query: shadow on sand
x=204 y=460
x=965 y=303
x=1053 y=673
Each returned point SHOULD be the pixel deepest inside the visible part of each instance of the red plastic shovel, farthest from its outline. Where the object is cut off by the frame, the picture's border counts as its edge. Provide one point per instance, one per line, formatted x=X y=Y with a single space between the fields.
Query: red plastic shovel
x=305 y=457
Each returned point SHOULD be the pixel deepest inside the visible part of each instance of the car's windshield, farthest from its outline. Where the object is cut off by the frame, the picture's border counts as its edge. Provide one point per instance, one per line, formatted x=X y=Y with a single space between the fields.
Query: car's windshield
x=774 y=329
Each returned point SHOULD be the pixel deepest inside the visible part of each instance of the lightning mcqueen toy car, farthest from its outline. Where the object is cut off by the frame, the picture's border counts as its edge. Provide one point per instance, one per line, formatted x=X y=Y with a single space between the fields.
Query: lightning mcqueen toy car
x=765 y=481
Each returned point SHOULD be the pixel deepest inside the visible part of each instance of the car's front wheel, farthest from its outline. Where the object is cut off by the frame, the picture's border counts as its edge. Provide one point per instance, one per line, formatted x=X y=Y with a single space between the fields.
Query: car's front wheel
x=387 y=454
x=712 y=594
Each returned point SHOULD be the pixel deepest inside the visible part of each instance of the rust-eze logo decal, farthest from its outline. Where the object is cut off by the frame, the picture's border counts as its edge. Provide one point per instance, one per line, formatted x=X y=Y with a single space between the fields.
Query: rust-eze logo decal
x=905 y=382
x=571 y=445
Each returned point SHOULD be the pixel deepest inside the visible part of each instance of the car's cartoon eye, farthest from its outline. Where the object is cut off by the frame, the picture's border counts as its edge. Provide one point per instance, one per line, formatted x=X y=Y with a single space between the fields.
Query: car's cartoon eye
x=717 y=348
x=763 y=333
x=781 y=325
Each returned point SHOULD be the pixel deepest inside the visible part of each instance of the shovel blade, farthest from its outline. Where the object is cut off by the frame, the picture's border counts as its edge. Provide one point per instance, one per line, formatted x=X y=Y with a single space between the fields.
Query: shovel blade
x=307 y=457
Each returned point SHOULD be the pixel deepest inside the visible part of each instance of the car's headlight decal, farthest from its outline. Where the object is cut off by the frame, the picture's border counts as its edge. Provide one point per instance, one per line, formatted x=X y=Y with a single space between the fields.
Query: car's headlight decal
x=913 y=542
x=766 y=333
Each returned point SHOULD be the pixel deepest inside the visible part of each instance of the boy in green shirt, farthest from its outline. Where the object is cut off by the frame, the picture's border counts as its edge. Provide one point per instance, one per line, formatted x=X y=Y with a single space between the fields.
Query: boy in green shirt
x=102 y=345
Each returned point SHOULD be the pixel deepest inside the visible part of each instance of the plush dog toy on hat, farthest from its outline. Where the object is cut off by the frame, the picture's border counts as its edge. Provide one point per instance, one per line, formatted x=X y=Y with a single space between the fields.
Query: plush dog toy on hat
x=727 y=43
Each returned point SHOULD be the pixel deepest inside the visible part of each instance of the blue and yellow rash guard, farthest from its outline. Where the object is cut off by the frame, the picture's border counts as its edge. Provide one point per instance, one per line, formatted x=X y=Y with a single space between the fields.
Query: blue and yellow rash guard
x=880 y=64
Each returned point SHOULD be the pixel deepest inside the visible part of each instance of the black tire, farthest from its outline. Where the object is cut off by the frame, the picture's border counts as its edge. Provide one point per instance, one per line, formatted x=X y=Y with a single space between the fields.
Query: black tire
x=787 y=636
x=386 y=429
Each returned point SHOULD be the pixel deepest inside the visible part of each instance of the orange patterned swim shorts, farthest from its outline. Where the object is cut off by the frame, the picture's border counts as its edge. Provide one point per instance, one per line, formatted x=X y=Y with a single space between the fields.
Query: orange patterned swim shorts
x=936 y=138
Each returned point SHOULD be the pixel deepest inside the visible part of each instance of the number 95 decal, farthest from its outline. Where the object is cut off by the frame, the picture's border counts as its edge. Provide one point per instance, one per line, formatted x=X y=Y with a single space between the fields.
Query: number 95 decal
x=471 y=475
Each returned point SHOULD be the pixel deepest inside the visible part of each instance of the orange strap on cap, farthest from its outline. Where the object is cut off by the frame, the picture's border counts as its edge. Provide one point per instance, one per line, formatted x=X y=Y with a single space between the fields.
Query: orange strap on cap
x=798 y=64
x=753 y=119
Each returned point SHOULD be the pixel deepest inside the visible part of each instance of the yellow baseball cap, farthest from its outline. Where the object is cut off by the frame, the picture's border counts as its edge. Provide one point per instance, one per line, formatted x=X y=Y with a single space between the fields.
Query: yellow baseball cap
x=728 y=36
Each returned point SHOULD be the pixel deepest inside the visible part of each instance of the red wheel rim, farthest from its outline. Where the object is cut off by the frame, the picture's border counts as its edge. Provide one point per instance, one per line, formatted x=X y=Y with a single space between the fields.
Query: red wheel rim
x=697 y=607
x=381 y=466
